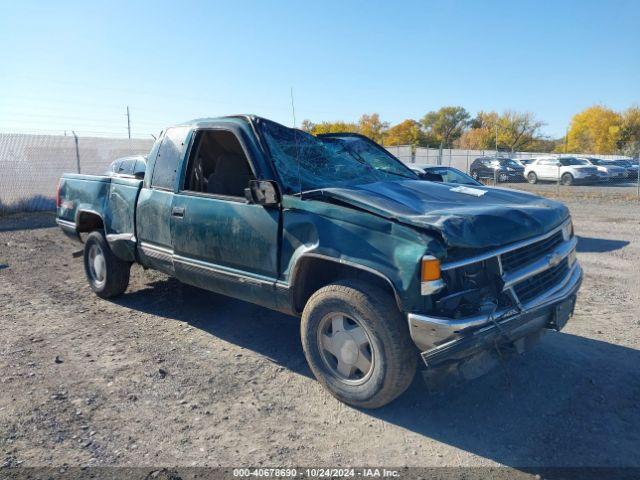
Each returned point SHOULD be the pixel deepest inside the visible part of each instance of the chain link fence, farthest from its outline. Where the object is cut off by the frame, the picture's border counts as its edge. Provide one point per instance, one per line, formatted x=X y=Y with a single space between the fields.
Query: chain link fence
x=541 y=172
x=31 y=165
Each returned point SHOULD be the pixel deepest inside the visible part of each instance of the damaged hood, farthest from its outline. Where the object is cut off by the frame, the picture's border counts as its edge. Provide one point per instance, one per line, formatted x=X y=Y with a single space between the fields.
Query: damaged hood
x=497 y=218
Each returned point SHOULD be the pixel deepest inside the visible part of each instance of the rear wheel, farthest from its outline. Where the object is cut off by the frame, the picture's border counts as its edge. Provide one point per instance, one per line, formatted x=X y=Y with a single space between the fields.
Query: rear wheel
x=566 y=179
x=532 y=177
x=357 y=344
x=108 y=276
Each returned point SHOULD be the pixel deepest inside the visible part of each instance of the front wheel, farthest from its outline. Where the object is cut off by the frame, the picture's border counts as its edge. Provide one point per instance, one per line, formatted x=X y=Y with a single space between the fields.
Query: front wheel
x=357 y=344
x=566 y=179
x=108 y=276
x=532 y=177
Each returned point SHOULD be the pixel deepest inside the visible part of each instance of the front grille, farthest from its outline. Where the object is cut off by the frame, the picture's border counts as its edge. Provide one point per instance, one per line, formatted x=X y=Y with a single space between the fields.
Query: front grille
x=523 y=256
x=538 y=284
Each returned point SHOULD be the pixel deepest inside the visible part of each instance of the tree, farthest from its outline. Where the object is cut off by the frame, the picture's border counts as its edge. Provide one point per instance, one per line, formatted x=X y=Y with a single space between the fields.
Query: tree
x=407 y=132
x=596 y=129
x=446 y=125
x=372 y=127
x=477 y=139
x=629 y=142
x=518 y=131
x=514 y=130
x=307 y=126
x=331 y=127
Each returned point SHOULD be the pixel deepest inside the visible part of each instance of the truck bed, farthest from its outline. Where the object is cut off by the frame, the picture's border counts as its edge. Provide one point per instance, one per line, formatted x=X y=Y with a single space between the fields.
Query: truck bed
x=84 y=200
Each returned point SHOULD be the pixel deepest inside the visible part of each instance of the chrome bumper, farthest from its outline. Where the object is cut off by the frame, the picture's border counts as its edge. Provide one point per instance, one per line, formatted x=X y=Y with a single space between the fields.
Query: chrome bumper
x=69 y=229
x=433 y=335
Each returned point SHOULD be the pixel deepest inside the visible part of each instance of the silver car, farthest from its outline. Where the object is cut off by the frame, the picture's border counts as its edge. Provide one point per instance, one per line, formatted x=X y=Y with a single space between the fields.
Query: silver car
x=613 y=172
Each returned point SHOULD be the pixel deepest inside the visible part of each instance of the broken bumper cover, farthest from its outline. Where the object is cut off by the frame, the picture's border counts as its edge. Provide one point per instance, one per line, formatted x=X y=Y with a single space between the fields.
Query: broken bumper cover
x=443 y=339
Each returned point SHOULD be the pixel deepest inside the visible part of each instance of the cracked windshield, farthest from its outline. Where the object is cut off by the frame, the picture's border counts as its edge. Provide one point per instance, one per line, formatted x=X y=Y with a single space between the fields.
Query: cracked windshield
x=306 y=163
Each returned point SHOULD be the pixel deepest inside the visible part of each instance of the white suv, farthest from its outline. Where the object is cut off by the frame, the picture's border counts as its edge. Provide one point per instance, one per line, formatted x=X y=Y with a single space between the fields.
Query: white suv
x=567 y=170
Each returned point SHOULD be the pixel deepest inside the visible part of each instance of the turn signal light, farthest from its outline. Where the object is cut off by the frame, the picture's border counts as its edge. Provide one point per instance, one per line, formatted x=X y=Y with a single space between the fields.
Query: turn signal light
x=430 y=268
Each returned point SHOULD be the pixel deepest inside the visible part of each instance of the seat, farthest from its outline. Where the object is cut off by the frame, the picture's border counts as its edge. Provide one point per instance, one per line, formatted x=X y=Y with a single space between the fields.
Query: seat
x=231 y=176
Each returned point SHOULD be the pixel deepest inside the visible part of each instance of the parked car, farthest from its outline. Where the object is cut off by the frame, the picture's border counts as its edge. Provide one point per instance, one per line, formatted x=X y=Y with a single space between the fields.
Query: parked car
x=441 y=173
x=380 y=265
x=501 y=169
x=567 y=170
x=524 y=161
x=133 y=166
x=630 y=167
x=614 y=172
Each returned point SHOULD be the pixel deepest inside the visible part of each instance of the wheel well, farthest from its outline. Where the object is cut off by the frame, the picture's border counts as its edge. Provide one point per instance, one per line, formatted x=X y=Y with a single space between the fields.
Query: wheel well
x=312 y=273
x=89 y=221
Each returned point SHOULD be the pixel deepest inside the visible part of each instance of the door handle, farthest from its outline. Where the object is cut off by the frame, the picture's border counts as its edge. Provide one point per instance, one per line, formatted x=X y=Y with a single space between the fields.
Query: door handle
x=177 y=212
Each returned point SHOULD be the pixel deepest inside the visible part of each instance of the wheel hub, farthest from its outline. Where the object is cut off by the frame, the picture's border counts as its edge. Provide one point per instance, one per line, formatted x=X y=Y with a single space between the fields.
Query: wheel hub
x=97 y=264
x=345 y=348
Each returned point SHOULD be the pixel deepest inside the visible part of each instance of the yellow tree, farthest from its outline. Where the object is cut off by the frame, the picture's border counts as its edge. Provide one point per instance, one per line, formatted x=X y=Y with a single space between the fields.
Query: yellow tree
x=594 y=130
x=630 y=131
x=372 y=127
x=477 y=139
x=329 y=127
x=408 y=132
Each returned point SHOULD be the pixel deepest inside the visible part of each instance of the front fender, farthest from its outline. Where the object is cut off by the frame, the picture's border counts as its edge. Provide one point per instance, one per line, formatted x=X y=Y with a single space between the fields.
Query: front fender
x=380 y=246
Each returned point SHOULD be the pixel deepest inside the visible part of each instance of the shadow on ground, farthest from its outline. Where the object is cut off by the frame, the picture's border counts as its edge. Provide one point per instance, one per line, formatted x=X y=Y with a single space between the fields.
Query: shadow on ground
x=572 y=401
x=270 y=333
x=27 y=221
x=599 y=245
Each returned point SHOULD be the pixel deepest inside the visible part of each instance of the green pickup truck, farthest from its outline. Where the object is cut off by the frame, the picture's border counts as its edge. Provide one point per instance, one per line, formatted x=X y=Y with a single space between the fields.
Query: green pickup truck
x=383 y=268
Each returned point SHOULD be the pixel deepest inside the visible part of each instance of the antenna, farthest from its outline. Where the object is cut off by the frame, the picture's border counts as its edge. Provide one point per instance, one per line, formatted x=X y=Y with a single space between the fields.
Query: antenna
x=293 y=109
x=295 y=136
x=128 y=122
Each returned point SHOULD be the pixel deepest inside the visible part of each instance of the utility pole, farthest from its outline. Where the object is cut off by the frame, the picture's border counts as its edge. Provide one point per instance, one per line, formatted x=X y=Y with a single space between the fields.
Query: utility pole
x=496 y=139
x=75 y=137
x=128 y=122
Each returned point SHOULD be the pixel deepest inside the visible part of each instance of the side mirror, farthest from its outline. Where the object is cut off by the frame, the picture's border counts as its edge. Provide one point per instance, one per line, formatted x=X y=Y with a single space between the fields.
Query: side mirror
x=263 y=192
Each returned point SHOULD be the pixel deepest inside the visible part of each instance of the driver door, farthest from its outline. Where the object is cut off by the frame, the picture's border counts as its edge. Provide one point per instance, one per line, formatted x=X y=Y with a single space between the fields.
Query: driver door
x=221 y=242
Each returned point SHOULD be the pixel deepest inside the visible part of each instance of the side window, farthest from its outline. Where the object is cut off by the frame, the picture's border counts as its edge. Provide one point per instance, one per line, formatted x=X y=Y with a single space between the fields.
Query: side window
x=217 y=165
x=169 y=155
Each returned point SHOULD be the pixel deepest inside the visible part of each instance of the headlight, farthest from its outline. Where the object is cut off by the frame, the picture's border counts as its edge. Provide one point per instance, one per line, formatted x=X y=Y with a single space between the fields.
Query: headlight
x=567 y=231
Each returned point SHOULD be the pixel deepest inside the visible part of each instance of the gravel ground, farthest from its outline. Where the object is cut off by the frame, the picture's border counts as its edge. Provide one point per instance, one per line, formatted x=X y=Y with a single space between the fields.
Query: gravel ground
x=175 y=376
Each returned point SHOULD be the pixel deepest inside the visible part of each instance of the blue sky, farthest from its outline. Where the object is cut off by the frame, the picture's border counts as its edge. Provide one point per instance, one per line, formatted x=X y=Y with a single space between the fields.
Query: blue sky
x=76 y=65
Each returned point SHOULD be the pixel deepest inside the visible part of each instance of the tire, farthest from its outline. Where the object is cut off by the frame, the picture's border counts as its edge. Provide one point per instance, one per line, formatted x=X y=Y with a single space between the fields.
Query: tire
x=108 y=276
x=391 y=353
x=566 y=179
x=475 y=176
x=532 y=178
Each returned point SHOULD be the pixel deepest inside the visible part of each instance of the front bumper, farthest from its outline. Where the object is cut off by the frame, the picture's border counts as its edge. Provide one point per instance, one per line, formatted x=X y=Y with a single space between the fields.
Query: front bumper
x=590 y=178
x=444 y=339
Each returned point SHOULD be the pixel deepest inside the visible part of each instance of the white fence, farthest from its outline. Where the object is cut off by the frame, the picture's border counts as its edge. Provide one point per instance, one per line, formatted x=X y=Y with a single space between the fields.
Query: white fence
x=30 y=165
x=461 y=159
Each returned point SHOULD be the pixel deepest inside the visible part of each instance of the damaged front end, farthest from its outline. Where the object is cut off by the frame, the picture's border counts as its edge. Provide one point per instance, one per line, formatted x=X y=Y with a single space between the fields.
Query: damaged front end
x=500 y=297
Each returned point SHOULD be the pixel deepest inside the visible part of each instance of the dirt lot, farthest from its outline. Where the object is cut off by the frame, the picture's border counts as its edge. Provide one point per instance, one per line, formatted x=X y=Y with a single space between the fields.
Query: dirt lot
x=172 y=375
